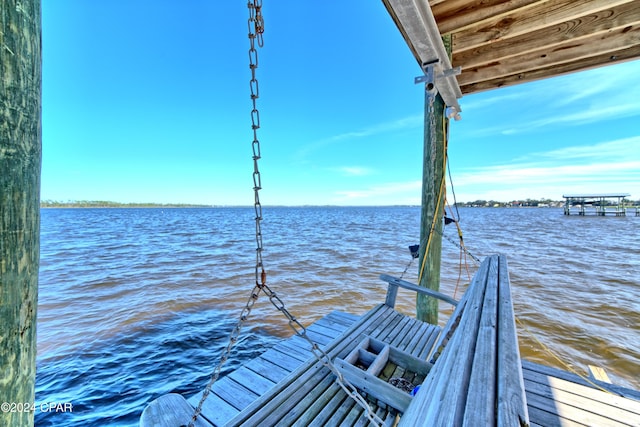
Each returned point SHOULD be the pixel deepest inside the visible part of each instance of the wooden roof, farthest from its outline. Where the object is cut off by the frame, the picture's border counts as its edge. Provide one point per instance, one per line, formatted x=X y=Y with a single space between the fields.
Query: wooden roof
x=504 y=42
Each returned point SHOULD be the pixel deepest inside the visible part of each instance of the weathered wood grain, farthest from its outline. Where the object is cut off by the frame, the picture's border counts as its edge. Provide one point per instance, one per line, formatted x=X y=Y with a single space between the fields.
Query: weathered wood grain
x=489 y=32
x=564 y=33
x=170 y=410
x=456 y=15
x=608 y=42
x=542 y=15
x=511 y=400
x=20 y=164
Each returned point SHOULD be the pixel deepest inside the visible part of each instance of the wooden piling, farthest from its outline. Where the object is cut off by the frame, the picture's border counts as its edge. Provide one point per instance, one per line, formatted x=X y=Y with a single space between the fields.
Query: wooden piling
x=20 y=162
x=433 y=197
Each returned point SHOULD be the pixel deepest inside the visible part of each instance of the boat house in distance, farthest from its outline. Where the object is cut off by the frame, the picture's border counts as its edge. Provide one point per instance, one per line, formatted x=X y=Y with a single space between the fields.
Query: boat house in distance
x=596 y=204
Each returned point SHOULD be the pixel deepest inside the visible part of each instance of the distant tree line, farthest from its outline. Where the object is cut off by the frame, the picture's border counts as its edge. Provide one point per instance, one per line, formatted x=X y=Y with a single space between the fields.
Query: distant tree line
x=107 y=204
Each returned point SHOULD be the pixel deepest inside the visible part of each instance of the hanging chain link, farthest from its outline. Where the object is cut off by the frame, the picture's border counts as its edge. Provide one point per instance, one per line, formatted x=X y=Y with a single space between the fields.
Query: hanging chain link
x=256 y=30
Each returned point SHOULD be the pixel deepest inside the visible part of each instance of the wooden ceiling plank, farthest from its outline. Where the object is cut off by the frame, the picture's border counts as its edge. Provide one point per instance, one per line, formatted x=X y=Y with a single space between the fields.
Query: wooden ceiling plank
x=632 y=53
x=570 y=31
x=587 y=47
x=455 y=15
x=540 y=16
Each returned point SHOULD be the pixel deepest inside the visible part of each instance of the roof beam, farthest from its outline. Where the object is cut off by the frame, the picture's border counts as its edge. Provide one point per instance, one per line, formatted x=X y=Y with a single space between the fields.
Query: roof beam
x=418 y=27
x=541 y=15
x=607 y=43
x=554 y=70
x=455 y=15
x=572 y=31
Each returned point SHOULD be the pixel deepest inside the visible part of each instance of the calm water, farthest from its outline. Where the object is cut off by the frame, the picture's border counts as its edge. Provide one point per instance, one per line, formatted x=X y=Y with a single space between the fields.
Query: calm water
x=136 y=303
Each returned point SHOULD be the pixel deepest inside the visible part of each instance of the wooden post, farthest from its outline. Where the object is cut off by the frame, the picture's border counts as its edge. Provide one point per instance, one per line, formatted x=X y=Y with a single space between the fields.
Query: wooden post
x=433 y=196
x=432 y=211
x=20 y=160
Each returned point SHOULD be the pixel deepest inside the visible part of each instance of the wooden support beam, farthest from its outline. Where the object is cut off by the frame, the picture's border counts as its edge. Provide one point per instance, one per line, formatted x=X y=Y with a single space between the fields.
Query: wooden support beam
x=455 y=15
x=20 y=160
x=542 y=15
x=556 y=37
x=554 y=70
x=433 y=195
x=611 y=41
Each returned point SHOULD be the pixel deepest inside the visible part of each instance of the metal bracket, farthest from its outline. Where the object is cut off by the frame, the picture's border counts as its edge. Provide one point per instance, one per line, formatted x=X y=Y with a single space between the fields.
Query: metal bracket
x=429 y=77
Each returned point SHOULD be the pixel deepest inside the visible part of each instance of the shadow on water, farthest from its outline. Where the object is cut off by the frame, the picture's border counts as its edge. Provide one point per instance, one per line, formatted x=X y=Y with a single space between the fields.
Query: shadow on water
x=119 y=376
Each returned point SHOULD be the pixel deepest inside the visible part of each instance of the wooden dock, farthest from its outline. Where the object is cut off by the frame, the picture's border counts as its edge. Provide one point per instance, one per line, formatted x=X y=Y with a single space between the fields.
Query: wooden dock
x=554 y=397
x=597 y=204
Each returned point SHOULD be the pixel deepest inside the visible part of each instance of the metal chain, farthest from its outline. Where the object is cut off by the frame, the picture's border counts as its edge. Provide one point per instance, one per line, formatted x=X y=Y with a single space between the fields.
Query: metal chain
x=256 y=30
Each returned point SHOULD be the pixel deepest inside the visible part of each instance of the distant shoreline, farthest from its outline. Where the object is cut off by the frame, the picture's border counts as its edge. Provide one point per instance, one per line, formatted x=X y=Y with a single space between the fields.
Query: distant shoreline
x=80 y=205
x=476 y=204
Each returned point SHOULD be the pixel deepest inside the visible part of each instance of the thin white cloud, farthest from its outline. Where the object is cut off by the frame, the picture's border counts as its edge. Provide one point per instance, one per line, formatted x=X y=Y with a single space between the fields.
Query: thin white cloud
x=604 y=167
x=409 y=122
x=355 y=171
x=404 y=123
x=620 y=148
x=575 y=99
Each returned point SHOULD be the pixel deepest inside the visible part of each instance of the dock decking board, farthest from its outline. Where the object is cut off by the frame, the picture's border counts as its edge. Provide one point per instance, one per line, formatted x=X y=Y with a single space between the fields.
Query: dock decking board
x=555 y=397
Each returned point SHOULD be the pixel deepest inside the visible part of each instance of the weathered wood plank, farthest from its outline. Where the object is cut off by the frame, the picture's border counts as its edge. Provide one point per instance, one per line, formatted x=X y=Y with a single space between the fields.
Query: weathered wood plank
x=259 y=410
x=584 y=406
x=511 y=400
x=530 y=368
x=411 y=342
x=336 y=401
x=459 y=367
x=455 y=15
x=418 y=289
x=572 y=31
x=545 y=419
x=338 y=417
x=452 y=366
x=542 y=15
x=353 y=415
x=267 y=369
x=251 y=380
x=481 y=393
x=282 y=359
x=342 y=317
x=615 y=40
x=170 y=410
x=454 y=321
x=234 y=393
x=407 y=339
x=215 y=409
x=571 y=66
x=327 y=332
x=309 y=393
x=548 y=386
x=401 y=331
x=570 y=415
x=293 y=347
x=425 y=345
x=310 y=378
x=374 y=386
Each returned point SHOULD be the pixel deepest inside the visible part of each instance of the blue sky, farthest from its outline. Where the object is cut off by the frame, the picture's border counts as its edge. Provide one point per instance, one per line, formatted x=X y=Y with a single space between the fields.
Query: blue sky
x=148 y=101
